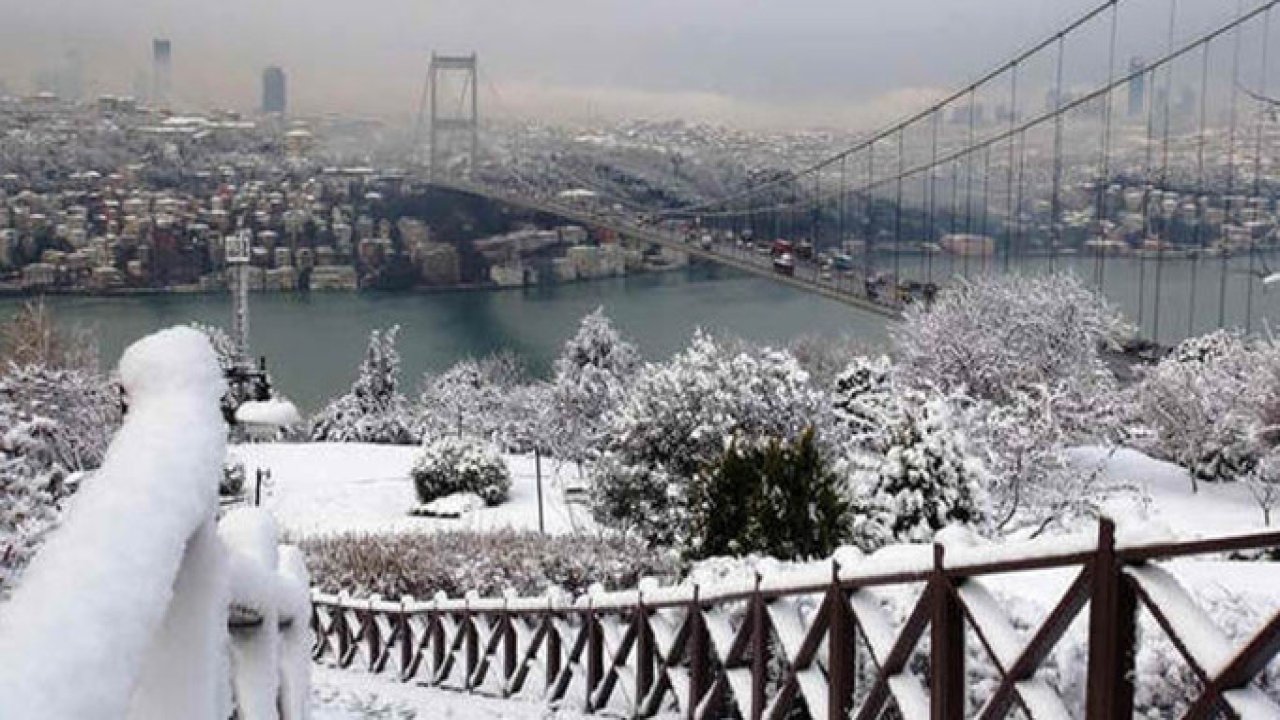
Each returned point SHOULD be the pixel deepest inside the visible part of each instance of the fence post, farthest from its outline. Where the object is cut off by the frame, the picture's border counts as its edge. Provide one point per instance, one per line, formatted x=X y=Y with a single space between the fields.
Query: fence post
x=343 y=631
x=552 y=648
x=372 y=635
x=508 y=647
x=595 y=655
x=644 y=655
x=697 y=656
x=840 y=649
x=1112 y=614
x=946 y=645
x=759 y=652
x=405 y=629
x=471 y=641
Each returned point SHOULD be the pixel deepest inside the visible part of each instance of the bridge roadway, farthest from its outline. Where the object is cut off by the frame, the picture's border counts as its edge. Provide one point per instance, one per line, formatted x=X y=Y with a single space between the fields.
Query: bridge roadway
x=844 y=287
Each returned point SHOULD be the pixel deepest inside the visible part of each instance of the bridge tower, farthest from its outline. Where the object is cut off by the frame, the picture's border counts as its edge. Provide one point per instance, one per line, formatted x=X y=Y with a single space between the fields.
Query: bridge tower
x=450 y=123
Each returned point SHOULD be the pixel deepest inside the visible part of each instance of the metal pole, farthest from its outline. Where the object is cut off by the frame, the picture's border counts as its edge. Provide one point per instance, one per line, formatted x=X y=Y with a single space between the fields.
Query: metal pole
x=537 y=470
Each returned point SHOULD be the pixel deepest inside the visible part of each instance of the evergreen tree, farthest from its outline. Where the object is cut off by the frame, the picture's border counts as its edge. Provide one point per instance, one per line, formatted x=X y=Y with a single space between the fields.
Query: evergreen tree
x=592 y=376
x=915 y=480
x=374 y=410
x=778 y=499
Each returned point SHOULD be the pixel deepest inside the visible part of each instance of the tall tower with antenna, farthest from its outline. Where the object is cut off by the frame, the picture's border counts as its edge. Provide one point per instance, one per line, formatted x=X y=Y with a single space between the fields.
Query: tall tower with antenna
x=452 y=120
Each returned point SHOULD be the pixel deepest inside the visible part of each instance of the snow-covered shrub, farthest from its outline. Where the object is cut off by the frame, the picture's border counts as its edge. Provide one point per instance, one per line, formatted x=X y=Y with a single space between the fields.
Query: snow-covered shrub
x=374 y=410
x=776 y=499
x=422 y=564
x=992 y=335
x=232 y=482
x=53 y=422
x=1198 y=405
x=592 y=376
x=916 y=479
x=677 y=419
x=460 y=465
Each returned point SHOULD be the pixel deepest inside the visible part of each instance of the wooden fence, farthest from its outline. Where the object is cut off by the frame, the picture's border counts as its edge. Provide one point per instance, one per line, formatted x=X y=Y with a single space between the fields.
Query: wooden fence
x=748 y=652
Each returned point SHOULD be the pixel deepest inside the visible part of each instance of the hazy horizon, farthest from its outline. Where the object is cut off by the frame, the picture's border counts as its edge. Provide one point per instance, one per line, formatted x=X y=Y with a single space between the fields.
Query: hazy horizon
x=810 y=63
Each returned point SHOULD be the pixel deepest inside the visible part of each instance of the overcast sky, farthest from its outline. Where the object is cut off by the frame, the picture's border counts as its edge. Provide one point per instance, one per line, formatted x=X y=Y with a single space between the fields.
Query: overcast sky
x=793 y=62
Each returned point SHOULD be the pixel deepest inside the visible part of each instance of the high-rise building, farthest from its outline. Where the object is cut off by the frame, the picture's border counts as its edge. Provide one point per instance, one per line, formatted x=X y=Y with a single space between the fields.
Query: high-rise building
x=273 y=90
x=1137 y=87
x=161 y=71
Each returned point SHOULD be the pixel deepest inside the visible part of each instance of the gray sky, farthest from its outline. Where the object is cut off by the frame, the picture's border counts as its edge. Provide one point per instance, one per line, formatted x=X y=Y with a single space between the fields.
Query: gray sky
x=754 y=62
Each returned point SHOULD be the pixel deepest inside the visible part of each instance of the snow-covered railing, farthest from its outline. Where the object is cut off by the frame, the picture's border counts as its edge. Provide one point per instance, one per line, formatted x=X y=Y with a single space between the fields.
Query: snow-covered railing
x=140 y=604
x=829 y=640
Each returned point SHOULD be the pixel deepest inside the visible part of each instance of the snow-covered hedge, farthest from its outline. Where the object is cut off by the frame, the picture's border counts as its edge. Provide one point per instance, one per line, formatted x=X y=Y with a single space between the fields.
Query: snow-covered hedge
x=421 y=564
x=460 y=465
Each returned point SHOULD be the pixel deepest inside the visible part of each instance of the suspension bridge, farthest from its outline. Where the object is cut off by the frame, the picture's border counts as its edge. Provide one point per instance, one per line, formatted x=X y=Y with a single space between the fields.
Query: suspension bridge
x=1136 y=145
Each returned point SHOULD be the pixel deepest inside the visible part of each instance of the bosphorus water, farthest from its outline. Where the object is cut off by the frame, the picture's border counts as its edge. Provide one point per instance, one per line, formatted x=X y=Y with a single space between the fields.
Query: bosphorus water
x=313 y=342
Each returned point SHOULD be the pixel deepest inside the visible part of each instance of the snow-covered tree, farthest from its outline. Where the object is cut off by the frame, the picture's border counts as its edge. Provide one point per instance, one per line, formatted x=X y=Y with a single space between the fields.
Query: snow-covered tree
x=592 y=376
x=1199 y=407
x=679 y=417
x=917 y=478
x=862 y=396
x=374 y=410
x=990 y=336
x=1263 y=482
x=472 y=398
x=1033 y=480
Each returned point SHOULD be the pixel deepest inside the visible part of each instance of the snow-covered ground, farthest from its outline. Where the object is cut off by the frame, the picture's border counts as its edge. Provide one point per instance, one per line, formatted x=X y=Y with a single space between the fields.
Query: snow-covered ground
x=326 y=488
x=353 y=695
x=1165 y=499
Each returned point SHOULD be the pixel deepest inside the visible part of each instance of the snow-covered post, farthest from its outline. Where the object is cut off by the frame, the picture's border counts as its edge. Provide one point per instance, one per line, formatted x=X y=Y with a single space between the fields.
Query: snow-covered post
x=123 y=612
x=270 y=645
x=1112 y=632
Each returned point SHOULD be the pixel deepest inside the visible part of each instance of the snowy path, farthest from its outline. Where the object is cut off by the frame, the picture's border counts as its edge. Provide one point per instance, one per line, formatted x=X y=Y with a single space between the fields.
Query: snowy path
x=325 y=488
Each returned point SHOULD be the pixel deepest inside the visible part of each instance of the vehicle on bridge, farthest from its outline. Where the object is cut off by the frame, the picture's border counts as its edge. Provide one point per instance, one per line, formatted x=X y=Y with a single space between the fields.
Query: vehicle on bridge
x=782 y=247
x=785 y=264
x=842 y=261
x=804 y=250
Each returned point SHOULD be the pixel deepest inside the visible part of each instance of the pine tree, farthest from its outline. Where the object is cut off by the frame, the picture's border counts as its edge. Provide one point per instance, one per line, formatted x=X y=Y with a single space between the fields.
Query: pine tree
x=778 y=499
x=374 y=410
x=592 y=376
x=916 y=480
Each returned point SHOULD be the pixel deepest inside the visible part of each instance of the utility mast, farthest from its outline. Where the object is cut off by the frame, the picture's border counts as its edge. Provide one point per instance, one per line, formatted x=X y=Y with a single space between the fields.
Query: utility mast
x=237 y=251
x=449 y=122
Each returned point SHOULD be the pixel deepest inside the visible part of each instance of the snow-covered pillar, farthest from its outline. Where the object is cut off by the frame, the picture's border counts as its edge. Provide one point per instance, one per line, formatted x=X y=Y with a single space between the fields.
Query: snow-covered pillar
x=116 y=613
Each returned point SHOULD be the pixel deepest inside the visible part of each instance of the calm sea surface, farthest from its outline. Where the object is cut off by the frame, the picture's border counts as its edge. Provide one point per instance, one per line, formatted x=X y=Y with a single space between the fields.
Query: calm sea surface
x=314 y=342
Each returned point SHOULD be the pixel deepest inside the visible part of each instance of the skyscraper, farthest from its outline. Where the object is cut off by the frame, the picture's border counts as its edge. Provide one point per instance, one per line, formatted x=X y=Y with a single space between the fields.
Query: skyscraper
x=273 y=90
x=1137 y=88
x=161 y=71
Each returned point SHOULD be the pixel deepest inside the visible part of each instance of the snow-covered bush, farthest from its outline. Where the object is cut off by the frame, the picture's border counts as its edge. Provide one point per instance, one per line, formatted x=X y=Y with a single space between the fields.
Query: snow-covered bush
x=460 y=465
x=422 y=564
x=592 y=376
x=916 y=479
x=1198 y=405
x=992 y=335
x=374 y=410
x=53 y=422
x=678 y=418
x=825 y=357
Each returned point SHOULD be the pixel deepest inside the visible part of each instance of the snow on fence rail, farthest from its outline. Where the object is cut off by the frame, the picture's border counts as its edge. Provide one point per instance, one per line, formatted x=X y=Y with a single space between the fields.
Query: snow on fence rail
x=829 y=642
x=137 y=601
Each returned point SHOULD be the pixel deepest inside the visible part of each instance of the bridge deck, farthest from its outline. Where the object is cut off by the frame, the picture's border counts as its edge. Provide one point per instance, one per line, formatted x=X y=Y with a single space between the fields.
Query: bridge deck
x=840 y=287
